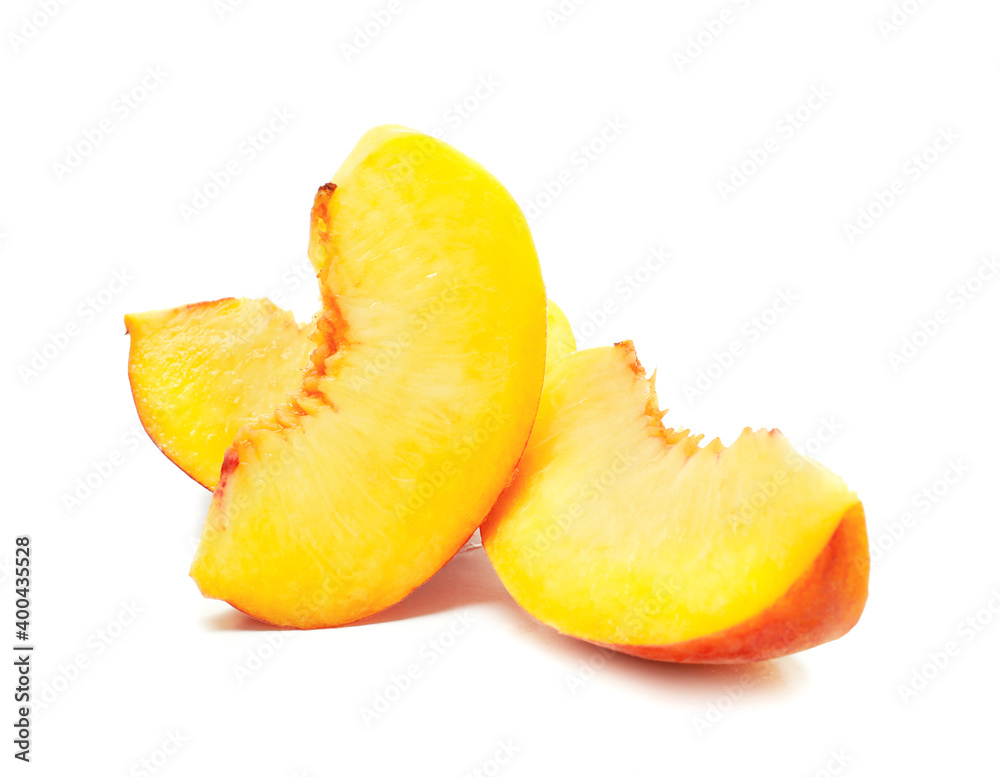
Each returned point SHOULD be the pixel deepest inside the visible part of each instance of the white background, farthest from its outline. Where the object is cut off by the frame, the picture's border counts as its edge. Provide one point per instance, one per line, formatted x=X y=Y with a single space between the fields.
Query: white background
x=506 y=680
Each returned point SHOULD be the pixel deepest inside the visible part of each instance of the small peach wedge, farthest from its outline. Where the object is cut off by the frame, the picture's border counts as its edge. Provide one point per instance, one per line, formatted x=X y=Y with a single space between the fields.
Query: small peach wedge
x=201 y=372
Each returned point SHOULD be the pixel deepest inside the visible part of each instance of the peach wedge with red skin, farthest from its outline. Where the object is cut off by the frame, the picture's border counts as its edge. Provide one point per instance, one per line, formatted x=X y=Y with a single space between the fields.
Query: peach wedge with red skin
x=636 y=537
x=417 y=403
x=200 y=372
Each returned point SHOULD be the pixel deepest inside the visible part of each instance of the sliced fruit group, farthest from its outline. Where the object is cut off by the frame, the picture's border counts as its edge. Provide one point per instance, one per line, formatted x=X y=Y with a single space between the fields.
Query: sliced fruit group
x=634 y=536
x=201 y=372
x=417 y=403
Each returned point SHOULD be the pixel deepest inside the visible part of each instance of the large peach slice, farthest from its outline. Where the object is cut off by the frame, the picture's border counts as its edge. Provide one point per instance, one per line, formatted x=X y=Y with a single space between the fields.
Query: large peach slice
x=634 y=536
x=200 y=372
x=417 y=403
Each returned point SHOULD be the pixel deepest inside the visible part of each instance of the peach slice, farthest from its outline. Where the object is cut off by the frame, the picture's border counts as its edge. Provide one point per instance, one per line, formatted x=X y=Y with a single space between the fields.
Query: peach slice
x=560 y=339
x=417 y=403
x=634 y=536
x=201 y=372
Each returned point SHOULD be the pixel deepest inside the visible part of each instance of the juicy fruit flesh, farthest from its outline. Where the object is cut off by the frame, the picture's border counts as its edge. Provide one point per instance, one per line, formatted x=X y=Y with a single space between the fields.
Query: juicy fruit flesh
x=622 y=532
x=200 y=372
x=823 y=604
x=559 y=335
x=418 y=404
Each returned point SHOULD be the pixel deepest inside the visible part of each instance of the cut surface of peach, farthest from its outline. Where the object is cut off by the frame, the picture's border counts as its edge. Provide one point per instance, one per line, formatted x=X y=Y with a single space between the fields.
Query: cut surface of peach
x=417 y=403
x=631 y=535
x=200 y=372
